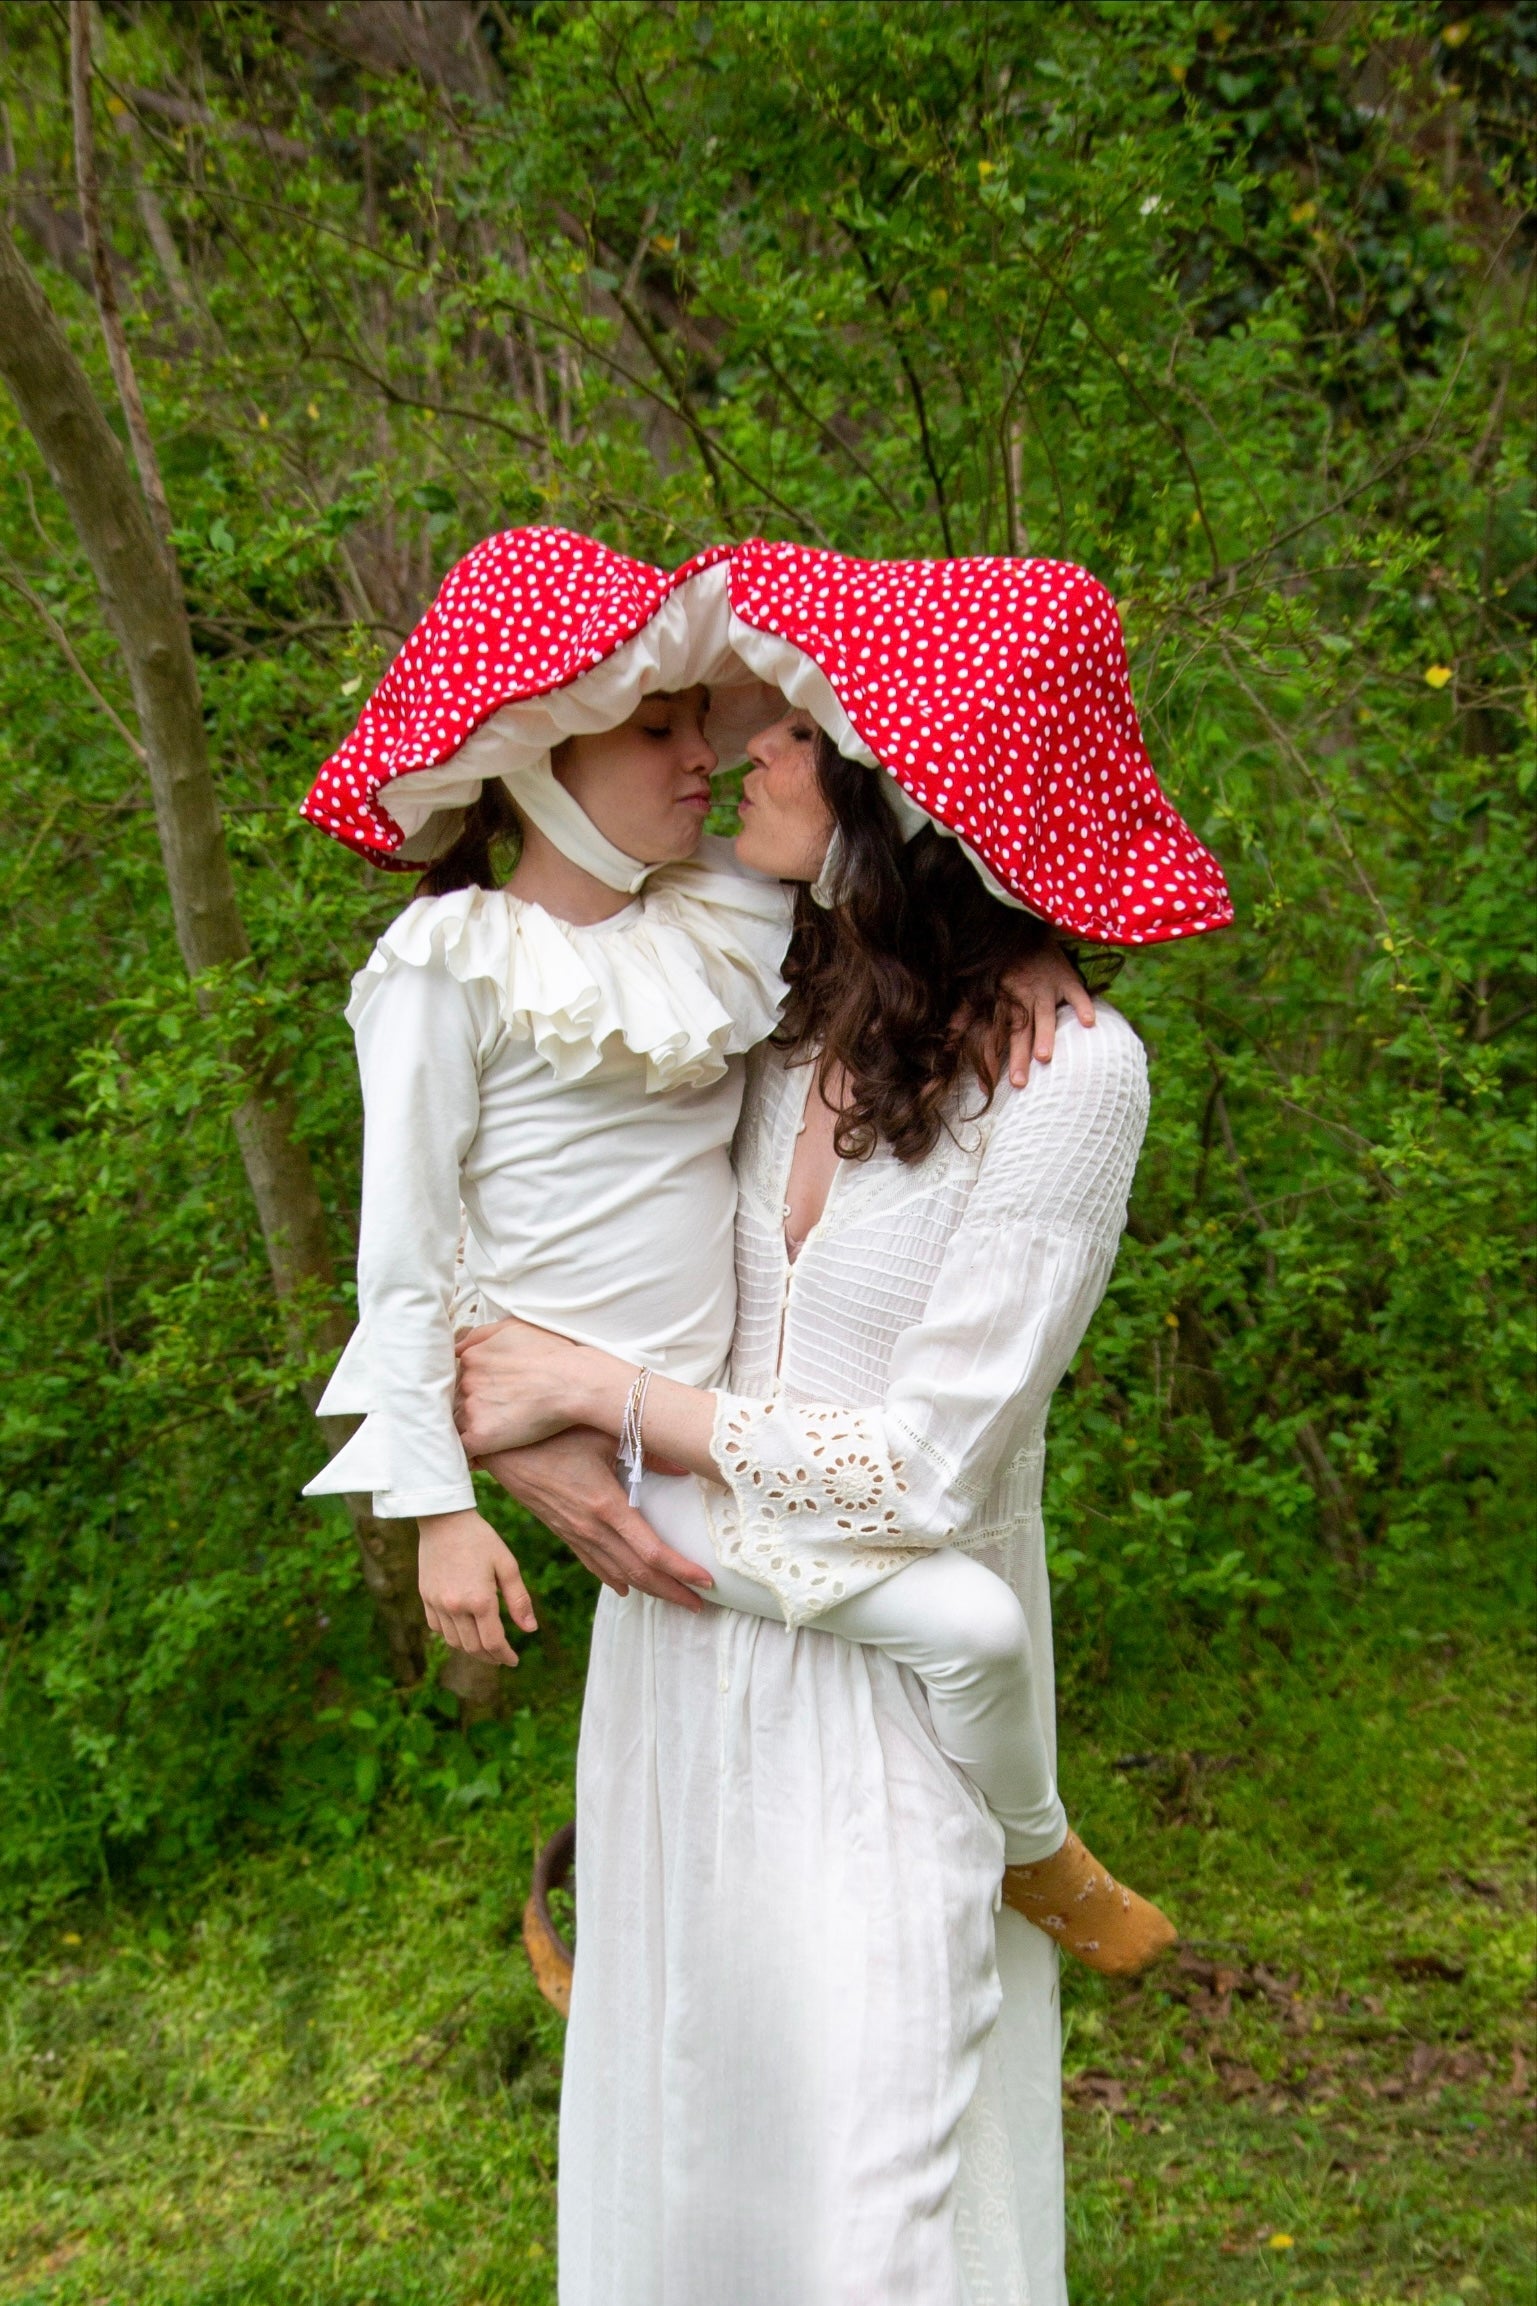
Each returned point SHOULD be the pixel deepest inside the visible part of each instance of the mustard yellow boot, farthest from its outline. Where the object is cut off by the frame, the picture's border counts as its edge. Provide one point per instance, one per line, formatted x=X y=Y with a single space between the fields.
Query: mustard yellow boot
x=1075 y=1900
x=549 y=1958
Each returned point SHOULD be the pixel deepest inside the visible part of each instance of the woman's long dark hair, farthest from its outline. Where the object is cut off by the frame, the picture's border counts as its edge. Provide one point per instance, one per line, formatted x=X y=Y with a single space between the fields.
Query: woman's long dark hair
x=901 y=981
x=466 y=863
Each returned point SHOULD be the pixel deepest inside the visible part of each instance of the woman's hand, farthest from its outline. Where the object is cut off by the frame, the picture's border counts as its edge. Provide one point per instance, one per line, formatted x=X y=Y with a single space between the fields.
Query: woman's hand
x=465 y=1572
x=1037 y=988
x=569 y=1483
x=517 y=1385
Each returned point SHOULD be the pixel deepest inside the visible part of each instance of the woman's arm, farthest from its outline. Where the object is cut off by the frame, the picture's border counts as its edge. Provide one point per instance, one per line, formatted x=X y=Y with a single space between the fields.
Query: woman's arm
x=970 y=1383
x=1020 y=1281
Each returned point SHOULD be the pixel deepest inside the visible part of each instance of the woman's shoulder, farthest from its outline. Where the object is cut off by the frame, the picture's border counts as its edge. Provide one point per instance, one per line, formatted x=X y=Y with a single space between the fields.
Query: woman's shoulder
x=1095 y=1084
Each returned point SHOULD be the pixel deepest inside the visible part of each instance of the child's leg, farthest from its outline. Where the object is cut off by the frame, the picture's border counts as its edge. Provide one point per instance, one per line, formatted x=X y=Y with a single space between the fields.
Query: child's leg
x=964 y=1634
x=961 y=1631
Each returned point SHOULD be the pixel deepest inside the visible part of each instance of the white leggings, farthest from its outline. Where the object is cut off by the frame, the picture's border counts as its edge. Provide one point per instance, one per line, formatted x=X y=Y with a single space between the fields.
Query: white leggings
x=957 y=1626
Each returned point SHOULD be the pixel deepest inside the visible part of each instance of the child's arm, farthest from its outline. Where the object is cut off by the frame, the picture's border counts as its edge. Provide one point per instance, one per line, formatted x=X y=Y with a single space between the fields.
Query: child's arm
x=422 y=1036
x=418 y=1042
x=1038 y=988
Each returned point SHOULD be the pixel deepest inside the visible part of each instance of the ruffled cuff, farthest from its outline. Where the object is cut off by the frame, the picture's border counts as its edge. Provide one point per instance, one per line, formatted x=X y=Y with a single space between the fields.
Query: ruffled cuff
x=819 y=1472
x=366 y=1465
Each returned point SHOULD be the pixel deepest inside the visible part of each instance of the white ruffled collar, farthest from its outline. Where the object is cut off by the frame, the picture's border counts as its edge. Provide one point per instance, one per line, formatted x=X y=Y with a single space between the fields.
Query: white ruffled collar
x=687 y=976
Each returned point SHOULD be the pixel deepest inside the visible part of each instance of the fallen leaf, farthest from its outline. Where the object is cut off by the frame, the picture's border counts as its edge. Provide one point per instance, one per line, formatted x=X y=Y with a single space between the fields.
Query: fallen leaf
x=1093 y=2088
x=1238 y=2081
x=1423 y=2061
x=1281 y=2242
x=57 y=2260
x=1489 y=1891
x=1451 y=1973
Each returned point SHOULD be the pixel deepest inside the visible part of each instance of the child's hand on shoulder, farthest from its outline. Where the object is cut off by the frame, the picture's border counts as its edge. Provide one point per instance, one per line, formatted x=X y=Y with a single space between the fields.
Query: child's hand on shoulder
x=466 y=1573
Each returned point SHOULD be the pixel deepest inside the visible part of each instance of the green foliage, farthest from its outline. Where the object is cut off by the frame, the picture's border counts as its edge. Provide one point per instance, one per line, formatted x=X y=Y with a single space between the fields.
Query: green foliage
x=1228 y=304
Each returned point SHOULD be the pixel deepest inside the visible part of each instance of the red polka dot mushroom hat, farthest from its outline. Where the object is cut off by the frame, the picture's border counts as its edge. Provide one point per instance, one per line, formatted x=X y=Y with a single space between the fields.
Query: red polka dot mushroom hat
x=993 y=694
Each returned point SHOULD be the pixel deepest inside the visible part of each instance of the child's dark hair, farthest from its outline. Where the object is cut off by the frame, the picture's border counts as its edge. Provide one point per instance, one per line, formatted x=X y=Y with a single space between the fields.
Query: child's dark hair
x=490 y=822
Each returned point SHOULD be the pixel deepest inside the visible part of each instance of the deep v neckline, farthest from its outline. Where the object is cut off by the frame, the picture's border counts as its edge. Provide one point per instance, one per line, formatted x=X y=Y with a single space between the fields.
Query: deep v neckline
x=795 y=1243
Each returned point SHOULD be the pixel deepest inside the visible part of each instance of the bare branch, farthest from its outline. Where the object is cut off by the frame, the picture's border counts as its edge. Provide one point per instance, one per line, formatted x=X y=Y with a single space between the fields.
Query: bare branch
x=11 y=575
x=80 y=73
x=186 y=114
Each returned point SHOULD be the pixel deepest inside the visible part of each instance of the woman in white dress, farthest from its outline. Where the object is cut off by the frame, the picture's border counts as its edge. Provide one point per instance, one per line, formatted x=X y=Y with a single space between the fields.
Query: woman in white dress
x=806 y=2061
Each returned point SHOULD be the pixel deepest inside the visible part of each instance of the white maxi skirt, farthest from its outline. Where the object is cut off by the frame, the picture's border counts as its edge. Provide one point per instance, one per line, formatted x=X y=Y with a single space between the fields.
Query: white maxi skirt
x=809 y=2062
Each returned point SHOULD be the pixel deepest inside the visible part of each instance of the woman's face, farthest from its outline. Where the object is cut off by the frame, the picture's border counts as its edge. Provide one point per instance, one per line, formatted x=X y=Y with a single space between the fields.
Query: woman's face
x=646 y=786
x=786 y=824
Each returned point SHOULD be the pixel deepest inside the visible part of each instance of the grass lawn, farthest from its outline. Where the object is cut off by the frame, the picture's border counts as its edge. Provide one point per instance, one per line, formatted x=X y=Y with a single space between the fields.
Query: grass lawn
x=330 y=2080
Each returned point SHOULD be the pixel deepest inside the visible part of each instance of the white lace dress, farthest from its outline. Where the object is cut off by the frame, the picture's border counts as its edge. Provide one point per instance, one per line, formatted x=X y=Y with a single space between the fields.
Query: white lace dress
x=809 y=2063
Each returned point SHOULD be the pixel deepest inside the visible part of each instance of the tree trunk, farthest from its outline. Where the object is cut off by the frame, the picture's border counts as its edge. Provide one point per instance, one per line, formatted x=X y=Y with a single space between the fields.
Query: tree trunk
x=142 y=599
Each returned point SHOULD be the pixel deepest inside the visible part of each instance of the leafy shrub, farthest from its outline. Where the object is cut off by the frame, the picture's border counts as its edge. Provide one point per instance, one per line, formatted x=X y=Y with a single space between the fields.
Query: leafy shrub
x=1226 y=304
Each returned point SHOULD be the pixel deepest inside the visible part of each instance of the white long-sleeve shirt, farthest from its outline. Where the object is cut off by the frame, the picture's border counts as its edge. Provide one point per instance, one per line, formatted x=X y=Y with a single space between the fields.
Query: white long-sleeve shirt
x=548 y=1114
x=889 y=1389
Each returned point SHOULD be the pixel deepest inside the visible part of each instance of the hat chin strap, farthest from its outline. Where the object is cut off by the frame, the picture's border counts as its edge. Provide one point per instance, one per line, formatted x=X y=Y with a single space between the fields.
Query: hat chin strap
x=824 y=889
x=541 y=797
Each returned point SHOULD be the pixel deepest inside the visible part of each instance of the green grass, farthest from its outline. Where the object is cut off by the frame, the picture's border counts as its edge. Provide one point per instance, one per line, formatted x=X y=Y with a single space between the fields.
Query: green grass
x=1343 y=2057
x=330 y=2081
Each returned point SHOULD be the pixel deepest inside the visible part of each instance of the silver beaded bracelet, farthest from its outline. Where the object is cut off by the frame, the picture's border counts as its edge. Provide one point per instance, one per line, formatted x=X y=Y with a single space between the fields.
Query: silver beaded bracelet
x=632 y=1448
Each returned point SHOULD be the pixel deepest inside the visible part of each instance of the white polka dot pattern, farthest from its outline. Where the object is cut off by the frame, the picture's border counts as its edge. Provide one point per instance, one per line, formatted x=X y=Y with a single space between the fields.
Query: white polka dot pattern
x=527 y=611
x=995 y=691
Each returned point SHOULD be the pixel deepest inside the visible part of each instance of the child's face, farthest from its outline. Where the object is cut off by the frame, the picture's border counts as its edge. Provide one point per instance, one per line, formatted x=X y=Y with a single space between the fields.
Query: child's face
x=646 y=786
x=786 y=822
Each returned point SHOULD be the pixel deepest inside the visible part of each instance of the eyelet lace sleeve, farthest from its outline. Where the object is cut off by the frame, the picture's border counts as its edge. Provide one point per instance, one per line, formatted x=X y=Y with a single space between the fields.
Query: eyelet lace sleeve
x=819 y=1477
